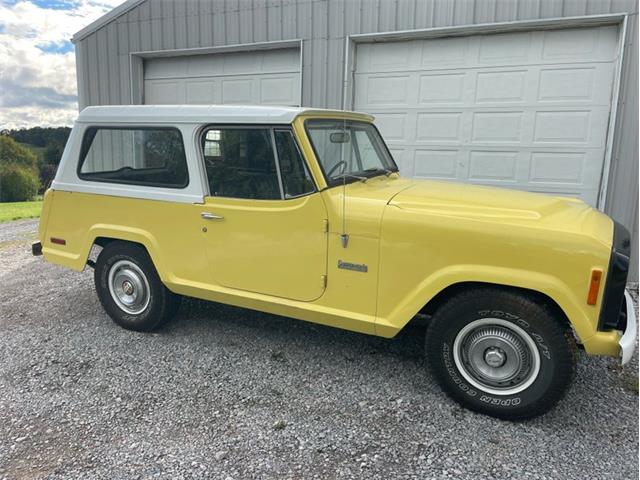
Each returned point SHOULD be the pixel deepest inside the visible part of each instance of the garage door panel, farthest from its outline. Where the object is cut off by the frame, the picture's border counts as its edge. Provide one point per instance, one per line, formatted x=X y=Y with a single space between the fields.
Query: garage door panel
x=587 y=127
x=237 y=90
x=387 y=90
x=199 y=92
x=444 y=52
x=393 y=126
x=527 y=110
x=579 y=168
x=162 y=68
x=578 y=84
x=497 y=127
x=198 y=65
x=594 y=44
x=267 y=61
x=279 y=60
x=505 y=49
x=263 y=77
x=565 y=84
x=439 y=127
x=492 y=166
x=501 y=86
x=442 y=164
x=236 y=63
x=441 y=88
x=166 y=92
x=557 y=167
x=277 y=90
x=385 y=57
x=562 y=127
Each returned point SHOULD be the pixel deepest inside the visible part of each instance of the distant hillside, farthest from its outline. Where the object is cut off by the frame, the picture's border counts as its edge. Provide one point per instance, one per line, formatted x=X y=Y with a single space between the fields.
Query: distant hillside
x=40 y=136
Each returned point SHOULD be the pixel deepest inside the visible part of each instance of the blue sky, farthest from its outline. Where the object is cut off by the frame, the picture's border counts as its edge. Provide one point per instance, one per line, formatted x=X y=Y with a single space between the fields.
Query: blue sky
x=61 y=47
x=37 y=59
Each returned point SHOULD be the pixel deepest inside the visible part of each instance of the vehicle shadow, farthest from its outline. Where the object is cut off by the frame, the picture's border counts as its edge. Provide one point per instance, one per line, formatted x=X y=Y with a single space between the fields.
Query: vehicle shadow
x=209 y=318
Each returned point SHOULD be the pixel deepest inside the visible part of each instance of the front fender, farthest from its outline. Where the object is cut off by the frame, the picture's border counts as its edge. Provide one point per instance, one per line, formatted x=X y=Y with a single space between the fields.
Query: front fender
x=584 y=325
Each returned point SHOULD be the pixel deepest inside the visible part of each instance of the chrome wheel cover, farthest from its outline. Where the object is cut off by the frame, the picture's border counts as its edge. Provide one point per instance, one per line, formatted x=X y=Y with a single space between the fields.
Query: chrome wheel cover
x=129 y=287
x=496 y=356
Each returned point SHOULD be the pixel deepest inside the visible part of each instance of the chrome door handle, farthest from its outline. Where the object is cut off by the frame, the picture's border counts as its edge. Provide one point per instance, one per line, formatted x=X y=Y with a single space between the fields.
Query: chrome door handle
x=210 y=216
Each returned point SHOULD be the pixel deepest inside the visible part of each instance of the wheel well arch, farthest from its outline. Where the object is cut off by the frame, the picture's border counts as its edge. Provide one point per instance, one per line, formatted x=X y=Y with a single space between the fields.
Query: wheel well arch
x=104 y=235
x=102 y=242
x=452 y=290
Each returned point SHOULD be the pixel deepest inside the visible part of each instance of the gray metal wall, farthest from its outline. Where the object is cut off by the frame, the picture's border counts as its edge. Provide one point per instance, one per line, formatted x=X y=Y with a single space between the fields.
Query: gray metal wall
x=104 y=67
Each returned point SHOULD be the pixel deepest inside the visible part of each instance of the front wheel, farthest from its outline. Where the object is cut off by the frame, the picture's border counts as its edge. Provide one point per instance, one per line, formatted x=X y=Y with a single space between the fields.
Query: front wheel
x=130 y=288
x=500 y=353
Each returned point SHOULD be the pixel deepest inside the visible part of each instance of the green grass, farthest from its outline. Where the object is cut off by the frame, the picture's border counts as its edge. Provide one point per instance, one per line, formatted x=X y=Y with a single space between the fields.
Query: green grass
x=16 y=210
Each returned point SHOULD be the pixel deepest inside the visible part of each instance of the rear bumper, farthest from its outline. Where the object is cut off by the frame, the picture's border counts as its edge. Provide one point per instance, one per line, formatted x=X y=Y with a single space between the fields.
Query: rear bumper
x=36 y=248
x=628 y=340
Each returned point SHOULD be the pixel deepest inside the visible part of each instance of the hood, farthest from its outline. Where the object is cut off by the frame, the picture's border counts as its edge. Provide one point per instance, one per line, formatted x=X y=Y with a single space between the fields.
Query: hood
x=501 y=205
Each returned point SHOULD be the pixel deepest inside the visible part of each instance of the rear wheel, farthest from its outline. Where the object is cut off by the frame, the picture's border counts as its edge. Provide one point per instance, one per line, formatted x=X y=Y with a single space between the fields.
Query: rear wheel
x=130 y=289
x=500 y=353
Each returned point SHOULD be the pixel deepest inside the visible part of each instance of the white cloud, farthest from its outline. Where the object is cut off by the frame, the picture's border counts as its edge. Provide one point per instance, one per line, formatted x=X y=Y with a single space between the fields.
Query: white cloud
x=37 y=62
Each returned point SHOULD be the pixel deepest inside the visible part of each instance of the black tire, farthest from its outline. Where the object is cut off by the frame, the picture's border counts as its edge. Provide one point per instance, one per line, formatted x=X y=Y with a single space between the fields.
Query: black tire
x=457 y=371
x=160 y=304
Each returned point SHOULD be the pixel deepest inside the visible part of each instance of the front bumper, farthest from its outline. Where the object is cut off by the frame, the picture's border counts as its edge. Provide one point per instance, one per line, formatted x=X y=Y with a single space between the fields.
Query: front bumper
x=628 y=340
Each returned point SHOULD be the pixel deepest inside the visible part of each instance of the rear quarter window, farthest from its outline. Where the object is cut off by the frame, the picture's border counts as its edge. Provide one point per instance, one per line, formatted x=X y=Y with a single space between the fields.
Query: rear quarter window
x=152 y=157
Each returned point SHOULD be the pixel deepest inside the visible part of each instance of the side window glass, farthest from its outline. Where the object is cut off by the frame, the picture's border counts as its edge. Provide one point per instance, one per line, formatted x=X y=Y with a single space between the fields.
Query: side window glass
x=240 y=163
x=145 y=156
x=296 y=180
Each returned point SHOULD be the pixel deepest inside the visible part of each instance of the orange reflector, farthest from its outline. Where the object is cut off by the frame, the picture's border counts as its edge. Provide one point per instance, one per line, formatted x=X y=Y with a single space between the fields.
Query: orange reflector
x=594 y=287
x=58 y=241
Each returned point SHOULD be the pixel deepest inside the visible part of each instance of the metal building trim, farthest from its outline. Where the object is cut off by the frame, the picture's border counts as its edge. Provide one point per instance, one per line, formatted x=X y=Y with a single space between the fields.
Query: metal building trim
x=106 y=19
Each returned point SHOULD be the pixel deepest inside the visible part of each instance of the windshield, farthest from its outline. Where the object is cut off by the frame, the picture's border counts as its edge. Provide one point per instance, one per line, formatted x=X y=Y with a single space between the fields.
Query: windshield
x=347 y=148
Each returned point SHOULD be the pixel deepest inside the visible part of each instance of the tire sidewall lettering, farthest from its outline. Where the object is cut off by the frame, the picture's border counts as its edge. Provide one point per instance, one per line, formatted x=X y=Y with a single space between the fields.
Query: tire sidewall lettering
x=522 y=323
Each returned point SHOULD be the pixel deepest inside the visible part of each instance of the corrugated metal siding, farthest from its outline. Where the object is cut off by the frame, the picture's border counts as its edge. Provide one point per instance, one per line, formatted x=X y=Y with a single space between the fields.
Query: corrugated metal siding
x=622 y=196
x=104 y=67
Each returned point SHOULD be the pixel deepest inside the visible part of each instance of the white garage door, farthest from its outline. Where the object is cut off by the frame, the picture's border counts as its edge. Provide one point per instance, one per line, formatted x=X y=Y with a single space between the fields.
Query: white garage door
x=526 y=110
x=270 y=77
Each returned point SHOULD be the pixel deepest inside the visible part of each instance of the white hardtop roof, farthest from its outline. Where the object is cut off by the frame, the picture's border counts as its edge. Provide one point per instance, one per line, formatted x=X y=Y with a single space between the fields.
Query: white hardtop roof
x=169 y=114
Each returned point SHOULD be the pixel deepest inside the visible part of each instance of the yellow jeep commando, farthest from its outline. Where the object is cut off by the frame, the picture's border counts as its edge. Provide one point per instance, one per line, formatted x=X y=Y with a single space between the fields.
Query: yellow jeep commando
x=302 y=212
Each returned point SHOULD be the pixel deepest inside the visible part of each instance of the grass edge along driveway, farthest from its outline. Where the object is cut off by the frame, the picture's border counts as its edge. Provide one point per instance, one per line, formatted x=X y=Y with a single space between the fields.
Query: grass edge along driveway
x=10 y=211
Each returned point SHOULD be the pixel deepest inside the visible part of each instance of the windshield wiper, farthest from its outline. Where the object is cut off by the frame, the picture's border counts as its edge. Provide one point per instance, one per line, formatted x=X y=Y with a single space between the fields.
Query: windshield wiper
x=386 y=171
x=344 y=176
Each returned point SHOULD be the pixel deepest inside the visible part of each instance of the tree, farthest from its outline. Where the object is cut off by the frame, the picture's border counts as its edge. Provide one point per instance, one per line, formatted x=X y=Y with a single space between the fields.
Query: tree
x=41 y=136
x=17 y=183
x=11 y=153
x=53 y=153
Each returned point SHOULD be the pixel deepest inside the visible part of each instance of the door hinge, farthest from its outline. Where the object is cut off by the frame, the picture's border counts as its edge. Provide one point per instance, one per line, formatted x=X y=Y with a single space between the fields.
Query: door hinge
x=325 y=225
x=323 y=281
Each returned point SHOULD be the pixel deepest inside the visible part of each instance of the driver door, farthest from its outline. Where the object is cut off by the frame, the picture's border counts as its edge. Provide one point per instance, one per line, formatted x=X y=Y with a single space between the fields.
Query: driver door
x=265 y=222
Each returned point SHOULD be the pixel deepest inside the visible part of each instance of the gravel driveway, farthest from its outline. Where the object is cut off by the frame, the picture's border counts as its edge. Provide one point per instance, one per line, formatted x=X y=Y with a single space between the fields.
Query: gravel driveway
x=224 y=392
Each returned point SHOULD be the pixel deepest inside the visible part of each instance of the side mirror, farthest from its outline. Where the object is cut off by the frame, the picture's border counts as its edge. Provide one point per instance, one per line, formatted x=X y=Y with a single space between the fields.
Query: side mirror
x=340 y=137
